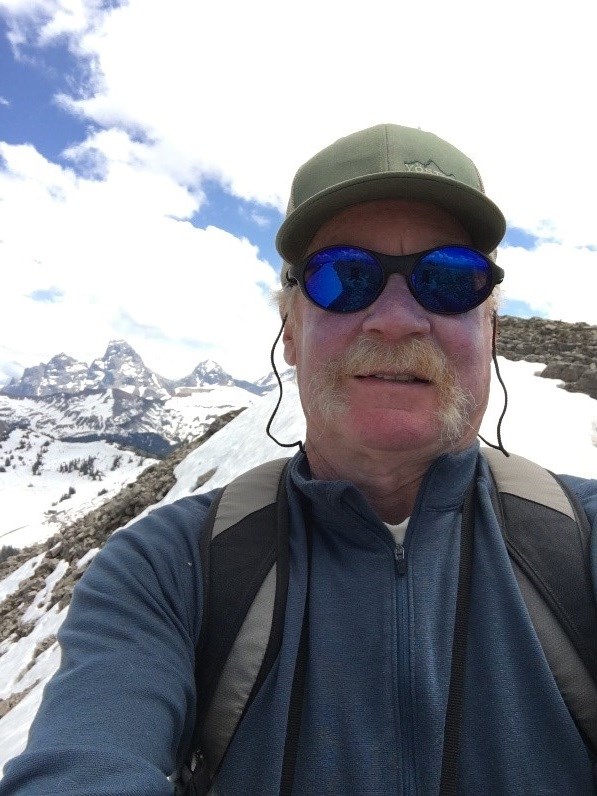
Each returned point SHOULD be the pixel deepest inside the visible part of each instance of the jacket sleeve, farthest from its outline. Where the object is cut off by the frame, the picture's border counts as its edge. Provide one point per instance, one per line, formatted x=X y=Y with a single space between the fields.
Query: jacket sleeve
x=120 y=709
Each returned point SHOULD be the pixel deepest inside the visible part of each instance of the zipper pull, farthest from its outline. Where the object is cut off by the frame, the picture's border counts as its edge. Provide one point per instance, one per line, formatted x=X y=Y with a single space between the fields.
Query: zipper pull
x=400 y=558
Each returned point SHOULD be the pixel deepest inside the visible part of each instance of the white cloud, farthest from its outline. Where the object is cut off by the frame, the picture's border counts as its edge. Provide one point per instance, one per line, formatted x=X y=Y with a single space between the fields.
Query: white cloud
x=557 y=280
x=42 y=21
x=9 y=367
x=235 y=97
x=180 y=91
x=119 y=248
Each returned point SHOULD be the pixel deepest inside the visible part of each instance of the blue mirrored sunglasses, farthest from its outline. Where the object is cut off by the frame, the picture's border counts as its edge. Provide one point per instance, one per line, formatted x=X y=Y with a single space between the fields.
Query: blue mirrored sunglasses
x=447 y=280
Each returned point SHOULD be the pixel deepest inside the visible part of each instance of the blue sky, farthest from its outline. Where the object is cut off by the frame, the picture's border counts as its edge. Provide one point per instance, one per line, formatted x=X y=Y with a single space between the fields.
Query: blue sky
x=146 y=152
x=29 y=85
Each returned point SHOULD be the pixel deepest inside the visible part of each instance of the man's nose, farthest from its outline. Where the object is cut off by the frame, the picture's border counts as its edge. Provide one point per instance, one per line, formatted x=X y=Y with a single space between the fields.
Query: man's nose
x=396 y=313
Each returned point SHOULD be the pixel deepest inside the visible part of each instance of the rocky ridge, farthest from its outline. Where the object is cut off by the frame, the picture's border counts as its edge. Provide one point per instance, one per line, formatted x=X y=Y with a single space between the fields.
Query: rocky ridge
x=568 y=349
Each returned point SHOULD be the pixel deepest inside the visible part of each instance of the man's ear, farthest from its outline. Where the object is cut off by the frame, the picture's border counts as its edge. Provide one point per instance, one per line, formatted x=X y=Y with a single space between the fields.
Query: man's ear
x=288 y=340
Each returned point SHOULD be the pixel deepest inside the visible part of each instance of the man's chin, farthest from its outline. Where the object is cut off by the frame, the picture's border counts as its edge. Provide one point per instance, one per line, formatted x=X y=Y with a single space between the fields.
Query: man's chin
x=425 y=440
x=378 y=429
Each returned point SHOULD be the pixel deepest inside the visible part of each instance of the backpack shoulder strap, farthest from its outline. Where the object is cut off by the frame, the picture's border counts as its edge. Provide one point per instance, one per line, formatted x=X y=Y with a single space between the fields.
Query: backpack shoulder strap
x=547 y=535
x=244 y=556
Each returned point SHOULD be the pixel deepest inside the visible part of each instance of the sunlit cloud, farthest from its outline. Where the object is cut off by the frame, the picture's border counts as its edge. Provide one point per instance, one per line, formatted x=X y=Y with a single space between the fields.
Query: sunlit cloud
x=557 y=281
x=174 y=96
x=122 y=245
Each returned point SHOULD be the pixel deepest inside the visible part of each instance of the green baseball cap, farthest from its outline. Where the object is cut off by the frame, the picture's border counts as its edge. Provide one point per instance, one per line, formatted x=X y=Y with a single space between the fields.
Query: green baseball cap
x=387 y=162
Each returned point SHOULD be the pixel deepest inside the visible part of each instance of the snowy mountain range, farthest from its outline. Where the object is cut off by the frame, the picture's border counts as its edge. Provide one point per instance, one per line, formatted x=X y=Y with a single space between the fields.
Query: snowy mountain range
x=120 y=400
x=120 y=368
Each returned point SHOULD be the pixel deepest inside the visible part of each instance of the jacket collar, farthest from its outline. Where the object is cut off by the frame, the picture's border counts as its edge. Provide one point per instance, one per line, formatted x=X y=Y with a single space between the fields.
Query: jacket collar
x=338 y=503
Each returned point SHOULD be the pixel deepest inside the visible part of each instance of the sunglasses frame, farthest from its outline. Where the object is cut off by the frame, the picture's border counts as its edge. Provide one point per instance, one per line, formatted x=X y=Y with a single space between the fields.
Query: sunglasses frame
x=404 y=264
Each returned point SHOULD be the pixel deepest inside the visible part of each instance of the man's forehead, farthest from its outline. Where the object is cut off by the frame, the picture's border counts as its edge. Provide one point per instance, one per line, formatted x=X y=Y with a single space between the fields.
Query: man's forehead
x=390 y=218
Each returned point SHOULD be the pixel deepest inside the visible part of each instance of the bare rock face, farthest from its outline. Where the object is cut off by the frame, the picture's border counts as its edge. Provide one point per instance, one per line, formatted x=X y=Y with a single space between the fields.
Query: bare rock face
x=61 y=374
x=120 y=368
x=568 y=349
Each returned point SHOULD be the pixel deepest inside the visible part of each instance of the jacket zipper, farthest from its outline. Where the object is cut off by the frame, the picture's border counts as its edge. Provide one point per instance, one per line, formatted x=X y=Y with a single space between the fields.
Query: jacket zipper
x=400 y=558
x=404 y=678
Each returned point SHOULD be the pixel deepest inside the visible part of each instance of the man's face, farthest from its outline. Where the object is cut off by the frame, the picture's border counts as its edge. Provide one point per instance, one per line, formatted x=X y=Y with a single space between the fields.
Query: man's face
x=393 y=376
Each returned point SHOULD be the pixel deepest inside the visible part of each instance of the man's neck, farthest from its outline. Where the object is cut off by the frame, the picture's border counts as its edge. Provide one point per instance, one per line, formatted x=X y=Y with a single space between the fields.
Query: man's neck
x=389 y=480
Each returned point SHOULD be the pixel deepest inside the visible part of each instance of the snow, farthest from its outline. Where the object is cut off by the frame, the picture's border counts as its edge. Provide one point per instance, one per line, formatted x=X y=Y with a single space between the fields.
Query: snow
x=11 y=583
x=241 y=444
x=83 y=562
x=556 y=428
x=17 y=655
x=37 y=511
x=48 y=504
x=42 y=598
x=16 y=730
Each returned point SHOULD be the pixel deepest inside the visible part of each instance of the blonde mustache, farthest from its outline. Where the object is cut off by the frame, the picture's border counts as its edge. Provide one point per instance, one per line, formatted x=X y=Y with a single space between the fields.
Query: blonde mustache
x=418 y=358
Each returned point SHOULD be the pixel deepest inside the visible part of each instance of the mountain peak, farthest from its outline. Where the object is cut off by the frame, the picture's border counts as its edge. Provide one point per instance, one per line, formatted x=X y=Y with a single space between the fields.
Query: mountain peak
x=62 y=374
x=63 y=359
x=209 y=364
x=207 y=374
x=122 y=368
x=120 y=348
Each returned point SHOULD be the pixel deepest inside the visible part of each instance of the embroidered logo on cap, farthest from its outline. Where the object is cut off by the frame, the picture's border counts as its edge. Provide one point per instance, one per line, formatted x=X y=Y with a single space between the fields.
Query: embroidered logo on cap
x=427 y=168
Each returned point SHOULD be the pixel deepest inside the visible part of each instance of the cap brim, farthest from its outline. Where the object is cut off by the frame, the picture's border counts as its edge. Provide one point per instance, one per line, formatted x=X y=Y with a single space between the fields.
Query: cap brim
x=481 y=218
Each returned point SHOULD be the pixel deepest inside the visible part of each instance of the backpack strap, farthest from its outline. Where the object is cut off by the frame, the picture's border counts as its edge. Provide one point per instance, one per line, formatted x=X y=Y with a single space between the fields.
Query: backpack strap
x=547 y=535
x=244 y=556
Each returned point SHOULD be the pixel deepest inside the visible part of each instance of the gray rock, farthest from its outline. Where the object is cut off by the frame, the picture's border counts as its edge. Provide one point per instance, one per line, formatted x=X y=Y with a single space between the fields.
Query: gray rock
x=568 y=349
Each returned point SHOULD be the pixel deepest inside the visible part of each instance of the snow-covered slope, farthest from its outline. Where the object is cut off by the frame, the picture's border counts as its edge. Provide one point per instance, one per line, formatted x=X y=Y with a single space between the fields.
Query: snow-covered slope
x=556 y=428
x=44 y=456
x=48 y=483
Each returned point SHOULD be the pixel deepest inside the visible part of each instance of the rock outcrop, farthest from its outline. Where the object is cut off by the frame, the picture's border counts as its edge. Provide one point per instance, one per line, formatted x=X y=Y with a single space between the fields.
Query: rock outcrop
x=568 y=349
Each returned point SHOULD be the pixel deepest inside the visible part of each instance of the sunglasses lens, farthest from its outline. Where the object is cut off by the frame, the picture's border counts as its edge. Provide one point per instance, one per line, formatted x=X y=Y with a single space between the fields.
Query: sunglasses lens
x=343 y=279
x=451 y=279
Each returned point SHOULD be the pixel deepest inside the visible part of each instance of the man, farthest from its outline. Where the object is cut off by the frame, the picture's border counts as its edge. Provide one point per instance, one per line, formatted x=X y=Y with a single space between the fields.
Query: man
x=387 y=300
x=398 y=373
